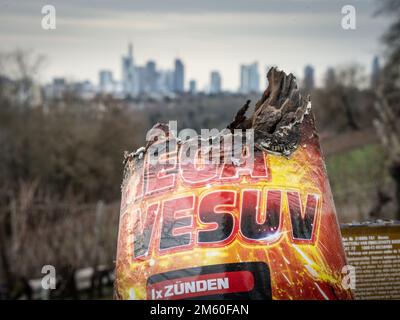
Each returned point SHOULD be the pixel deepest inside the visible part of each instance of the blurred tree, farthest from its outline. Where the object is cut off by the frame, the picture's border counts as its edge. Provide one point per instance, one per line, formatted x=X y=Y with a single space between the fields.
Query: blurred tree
x=342 y=99
x=352 y=77
x=392 y=41
x=387 y=102
x=19 y=71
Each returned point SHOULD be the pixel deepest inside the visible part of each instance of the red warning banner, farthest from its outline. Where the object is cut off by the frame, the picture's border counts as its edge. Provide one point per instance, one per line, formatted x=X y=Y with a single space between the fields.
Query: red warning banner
x=196 y=286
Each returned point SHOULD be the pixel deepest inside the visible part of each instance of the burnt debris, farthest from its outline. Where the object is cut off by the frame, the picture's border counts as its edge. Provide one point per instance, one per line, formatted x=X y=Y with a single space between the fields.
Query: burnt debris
x=277 y=116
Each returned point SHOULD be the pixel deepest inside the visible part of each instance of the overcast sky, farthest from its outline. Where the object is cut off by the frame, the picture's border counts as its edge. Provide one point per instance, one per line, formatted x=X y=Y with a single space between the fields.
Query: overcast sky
x=206 y=34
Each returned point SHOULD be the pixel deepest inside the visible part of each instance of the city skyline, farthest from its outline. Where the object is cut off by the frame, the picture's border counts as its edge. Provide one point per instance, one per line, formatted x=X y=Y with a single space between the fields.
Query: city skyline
x=258 y=80
x=148 y=80
x=206 y=36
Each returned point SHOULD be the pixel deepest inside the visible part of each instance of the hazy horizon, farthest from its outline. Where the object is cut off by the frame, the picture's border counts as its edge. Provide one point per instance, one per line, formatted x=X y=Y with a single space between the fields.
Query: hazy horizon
x=93 y=35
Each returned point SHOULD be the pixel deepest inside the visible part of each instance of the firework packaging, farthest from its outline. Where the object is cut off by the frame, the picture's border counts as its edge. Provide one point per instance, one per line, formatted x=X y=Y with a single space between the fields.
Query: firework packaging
x=246 y=213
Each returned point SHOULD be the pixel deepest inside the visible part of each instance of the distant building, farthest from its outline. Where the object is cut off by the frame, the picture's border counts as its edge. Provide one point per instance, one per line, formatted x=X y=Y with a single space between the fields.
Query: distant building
x=150 y=81
x=375 y=72
x=169 y=80
x=308 y=81
x=106 y=81
x=128 y=73
x=140 y=79
x=179 y=76
x=330 y=78
x=84 y=90
x=249 y=78
x=215 y=82
x=58 y=88
x=192 y=87
x=165 y=81
x=150 y=78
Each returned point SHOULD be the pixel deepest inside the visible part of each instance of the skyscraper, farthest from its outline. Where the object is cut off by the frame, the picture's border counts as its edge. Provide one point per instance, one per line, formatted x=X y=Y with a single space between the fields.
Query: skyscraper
x=249 y=78
x=330 y=78
x=128 y=73
x=150 y=77
x=308 y=82
x=375 y=72
x=179 y=76
x=169 y=80
x=106 y=81
x=192 y=87
x=215 y=82
x=139 y=80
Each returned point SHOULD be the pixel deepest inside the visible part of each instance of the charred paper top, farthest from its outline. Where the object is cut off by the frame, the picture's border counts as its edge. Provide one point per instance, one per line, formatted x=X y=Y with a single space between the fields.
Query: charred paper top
x=277 y=116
